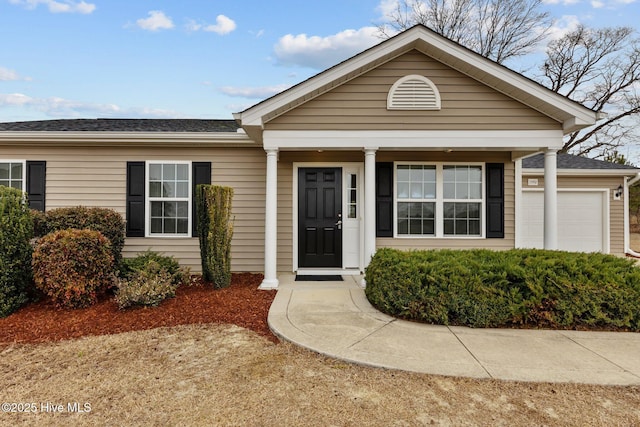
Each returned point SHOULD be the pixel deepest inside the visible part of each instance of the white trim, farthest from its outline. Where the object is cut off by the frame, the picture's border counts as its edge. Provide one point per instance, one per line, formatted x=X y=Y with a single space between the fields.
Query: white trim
x=518 y=202
x=148 y=199
x=270 y=280
x=584 y=172
x=606 y=210
x=127 y=139
x=441 y=49
x=343 y=166
x=24 y=171
x=424 y=94
x=414 y=139
x=440 y=200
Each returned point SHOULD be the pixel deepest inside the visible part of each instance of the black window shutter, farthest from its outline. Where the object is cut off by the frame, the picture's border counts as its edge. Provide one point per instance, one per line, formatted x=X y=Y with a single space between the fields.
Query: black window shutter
x=495 y=200
x=135 y=199
x=384 y=199
x=201 y=175
x=36 y=184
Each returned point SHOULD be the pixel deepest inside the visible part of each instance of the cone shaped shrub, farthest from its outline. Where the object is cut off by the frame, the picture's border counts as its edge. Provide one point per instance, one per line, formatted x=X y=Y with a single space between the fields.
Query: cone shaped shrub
x=73 y=267
x=16 y=229
x=215 y=230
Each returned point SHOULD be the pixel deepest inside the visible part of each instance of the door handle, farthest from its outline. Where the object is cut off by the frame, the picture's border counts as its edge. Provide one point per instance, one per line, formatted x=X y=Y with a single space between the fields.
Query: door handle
x=339 y=225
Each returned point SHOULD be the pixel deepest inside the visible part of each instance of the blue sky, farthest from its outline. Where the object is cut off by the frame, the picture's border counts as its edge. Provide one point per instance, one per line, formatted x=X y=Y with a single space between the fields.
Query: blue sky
x=193 y=58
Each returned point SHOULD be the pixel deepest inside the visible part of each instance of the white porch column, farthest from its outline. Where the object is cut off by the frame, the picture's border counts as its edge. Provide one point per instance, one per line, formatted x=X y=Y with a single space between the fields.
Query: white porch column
x=550 y=200
x=369 y=204
x=271 y=223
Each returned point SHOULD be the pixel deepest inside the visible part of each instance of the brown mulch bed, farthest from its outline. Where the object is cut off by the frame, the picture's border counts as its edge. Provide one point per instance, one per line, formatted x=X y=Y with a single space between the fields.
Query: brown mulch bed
x=241 y=304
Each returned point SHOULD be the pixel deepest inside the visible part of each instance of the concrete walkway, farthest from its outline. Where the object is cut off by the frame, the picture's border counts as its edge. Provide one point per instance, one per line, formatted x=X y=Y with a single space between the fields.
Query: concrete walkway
x=335 y=319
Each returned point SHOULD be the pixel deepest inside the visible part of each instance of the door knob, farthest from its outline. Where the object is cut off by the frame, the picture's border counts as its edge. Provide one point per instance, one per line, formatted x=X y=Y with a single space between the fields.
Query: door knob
x=339 y=225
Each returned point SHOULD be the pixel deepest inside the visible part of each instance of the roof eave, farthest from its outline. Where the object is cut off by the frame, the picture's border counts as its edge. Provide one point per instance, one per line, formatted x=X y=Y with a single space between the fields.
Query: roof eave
x=581 y=172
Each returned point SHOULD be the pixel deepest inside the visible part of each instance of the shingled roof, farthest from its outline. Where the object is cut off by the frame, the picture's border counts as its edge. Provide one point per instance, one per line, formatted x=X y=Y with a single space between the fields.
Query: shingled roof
x=121 y=125
x=569 y=161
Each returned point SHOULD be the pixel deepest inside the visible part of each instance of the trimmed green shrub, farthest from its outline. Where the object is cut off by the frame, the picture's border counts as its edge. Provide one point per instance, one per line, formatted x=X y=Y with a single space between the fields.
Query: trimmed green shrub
x=147 y=261
x=215 y=230
x=73 y=267
x=483 y=288
x=107 y=221
x=39 y=223
x=16 y=229
x=146 y=287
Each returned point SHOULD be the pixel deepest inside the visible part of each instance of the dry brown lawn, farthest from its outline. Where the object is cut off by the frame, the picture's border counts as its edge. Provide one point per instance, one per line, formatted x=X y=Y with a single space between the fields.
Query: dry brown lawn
x=226 y=375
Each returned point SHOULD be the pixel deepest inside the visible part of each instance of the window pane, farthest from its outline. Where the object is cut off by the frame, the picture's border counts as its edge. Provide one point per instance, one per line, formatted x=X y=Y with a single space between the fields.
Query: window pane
x=430 y=190
x=403 y=226
x=155 y=172
x=156 y=225
x=182 y=189
x=475 y=174
x=169 y=209
x=169 y=172
x=352 y=196
x=428 y=226
x=354 y=179
x=462 y=190
x=449 y=173
x=461 y=210
x=462 y=173
x=183 y=226
x=183 y=209
x=449 y=209
x=170 y=225
x=352 y=211
x=416 y=173
x=4 y=171
x=183 y=172
x=403 y=210
x=156 y=209
x=461 y=226
x=415 y=210
x=474 y=210
x=155 y=189
x=428 y=210
x=168 y=189
x=475 y=191
x=403 y=190
x=415 y=226
x=449 y=190
x=4 y=182
x=448 y=227
x=17 y=184
x=416 y=190
x=474 y=227
x=403 y=173
x=16 y=171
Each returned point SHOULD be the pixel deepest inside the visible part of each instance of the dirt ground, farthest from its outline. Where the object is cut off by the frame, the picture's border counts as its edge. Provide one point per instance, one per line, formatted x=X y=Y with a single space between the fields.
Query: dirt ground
x=204 y=375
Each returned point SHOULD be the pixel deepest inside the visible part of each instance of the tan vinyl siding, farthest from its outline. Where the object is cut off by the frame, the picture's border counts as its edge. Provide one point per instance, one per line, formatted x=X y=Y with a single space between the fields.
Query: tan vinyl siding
x=361 y=104
x=97 y=177
x=285 y=198
x=616 y=207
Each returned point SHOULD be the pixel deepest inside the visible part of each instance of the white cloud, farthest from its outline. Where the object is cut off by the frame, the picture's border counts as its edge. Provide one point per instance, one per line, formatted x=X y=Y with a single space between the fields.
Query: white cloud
x=323 y=52
x=224 y=25
x=563 y=26
x=7 y=75
x=64 y=108
x=597 y=4
x=253 y=92
x=64 y=6
x=157 y=20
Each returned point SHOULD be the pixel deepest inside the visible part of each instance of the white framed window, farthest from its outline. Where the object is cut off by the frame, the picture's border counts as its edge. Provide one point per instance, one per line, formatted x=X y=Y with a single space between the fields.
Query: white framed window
x=168 y=198
x=13 y=174
x=439 y=200
x=352 y=195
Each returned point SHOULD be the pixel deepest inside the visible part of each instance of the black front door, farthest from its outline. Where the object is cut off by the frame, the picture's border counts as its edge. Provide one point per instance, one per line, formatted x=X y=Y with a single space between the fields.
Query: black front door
x=319 y=217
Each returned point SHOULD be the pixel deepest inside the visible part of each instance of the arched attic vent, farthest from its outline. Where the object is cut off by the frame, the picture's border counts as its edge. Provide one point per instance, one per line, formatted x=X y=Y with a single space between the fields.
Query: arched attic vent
x=413 y=92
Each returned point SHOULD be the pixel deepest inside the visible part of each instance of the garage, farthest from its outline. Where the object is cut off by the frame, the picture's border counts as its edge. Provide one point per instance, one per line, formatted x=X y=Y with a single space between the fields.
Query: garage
x=583 y=220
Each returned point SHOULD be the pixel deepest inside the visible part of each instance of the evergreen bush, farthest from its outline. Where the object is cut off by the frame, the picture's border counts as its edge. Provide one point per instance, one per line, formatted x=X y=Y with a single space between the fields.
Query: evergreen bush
x=483 y=288
x=215 y=230
x=16 y=229
x=147 y=262
x=148 y=286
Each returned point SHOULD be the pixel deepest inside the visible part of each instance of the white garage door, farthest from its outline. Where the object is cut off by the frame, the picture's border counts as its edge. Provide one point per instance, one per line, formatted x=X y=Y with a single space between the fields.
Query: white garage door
x=582 y=220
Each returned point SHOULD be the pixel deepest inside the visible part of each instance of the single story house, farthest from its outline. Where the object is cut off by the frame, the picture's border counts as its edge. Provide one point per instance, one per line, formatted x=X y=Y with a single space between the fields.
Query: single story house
x=417 y=142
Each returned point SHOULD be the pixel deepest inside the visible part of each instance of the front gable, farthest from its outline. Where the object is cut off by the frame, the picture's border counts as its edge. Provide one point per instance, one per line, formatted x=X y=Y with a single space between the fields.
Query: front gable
x=361 y=103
